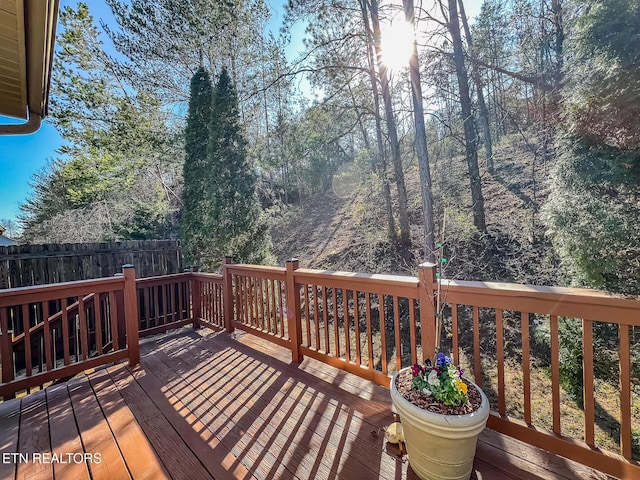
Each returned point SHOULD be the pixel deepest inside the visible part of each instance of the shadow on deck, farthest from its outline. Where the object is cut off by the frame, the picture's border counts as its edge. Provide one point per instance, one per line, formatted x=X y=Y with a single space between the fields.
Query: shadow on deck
x=207 y=405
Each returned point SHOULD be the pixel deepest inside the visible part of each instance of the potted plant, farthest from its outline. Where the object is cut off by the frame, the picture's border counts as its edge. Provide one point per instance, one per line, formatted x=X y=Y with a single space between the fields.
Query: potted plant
x=442 y=415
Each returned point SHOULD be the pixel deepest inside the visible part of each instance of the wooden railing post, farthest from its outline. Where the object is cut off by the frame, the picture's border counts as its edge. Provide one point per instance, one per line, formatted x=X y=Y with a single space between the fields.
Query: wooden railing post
x=196 y=298
x=131 y=314
x=428 y=285
x=294 y=316
x=227 y=286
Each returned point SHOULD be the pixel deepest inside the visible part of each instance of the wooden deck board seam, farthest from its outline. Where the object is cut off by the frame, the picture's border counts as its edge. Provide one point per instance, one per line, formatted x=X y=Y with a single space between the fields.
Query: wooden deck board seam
x=161 y=414
x=105 y=416
x=155 y=379
x=170 y=363
x=193 y=411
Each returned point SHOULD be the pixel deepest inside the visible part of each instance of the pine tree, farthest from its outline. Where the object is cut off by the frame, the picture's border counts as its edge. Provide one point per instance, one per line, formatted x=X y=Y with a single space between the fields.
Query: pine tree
x=235 y=225
x=196 y=211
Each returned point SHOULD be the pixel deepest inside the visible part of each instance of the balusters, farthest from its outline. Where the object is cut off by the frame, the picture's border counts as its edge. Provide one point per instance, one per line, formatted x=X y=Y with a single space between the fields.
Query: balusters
x=367 y=302
x=555 y=372
x=625 y=392
x=587 y=354
x=502 y=409
x=383 y=332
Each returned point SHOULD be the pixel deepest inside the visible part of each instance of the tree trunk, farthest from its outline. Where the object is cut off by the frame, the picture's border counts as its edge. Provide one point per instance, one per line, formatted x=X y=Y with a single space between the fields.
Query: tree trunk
x=470 y=138
x=381 y=164
x=558 y=26
x=421 y=143
x=383 y=75
x=482 y=106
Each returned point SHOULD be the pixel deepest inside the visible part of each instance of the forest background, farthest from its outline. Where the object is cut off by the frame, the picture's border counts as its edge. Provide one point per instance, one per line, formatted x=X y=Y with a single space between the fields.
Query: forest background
x=512 y=141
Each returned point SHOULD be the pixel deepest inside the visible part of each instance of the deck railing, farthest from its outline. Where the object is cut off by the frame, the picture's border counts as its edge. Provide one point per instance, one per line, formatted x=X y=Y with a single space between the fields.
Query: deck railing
x=55 y=331
x=258 y=299
x=164 y=303
x=370 y=325
x=208 y=300
x=373 y=325
x=529 y=308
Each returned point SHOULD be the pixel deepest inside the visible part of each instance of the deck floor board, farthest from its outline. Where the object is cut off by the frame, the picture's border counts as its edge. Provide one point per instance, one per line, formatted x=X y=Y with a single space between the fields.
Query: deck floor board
x=10 y=428
x=65 y=439
x=208 y=405
x=34 y=423
x=95 y=432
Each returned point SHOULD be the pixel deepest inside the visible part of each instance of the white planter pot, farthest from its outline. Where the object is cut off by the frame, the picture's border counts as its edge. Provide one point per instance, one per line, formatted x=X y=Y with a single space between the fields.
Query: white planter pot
x=440 y=446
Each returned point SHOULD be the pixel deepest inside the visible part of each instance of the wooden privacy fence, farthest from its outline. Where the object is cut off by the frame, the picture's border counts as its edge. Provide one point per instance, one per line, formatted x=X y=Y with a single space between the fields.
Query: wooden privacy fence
x=28 y=265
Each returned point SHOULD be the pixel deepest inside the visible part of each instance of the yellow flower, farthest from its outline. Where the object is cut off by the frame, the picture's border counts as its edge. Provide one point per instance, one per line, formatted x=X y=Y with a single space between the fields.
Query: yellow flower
x=462 y=386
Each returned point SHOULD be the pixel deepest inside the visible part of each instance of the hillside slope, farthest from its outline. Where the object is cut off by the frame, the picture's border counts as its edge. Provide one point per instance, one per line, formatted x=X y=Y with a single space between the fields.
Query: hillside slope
x=335 y=233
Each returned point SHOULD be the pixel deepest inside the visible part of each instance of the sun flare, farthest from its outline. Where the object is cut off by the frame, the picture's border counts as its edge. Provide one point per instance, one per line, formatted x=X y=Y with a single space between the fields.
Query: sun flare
x=397 y=44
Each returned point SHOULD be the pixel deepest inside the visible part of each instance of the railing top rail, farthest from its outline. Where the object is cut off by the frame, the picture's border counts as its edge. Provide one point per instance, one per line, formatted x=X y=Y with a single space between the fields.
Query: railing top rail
x=406 y=285
x=252 y=268
x=566 y=294
x=163 y=278
x=259 y=271
x=37 y=293
x=373 y=277
x=207 y=276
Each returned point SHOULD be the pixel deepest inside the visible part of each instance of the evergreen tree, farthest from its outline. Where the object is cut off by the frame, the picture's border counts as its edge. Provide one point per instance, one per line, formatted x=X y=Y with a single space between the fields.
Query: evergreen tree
x=234 y=224
x=196 y=211
x=594 y=205
x=117 y=174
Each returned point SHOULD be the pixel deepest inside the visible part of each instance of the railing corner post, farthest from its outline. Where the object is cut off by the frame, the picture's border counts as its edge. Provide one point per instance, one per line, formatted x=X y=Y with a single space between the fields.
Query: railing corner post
x=428 y=325
x=227 y=285
x=294 y=316
x=196 y=298
x=131 y=314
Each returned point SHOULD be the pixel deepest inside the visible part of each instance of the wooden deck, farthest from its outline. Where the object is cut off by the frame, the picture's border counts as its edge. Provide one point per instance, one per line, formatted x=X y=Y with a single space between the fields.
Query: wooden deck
x=204 y=405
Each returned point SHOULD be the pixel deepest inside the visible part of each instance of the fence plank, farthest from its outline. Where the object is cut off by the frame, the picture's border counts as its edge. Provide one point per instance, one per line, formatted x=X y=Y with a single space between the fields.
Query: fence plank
x=28 y=265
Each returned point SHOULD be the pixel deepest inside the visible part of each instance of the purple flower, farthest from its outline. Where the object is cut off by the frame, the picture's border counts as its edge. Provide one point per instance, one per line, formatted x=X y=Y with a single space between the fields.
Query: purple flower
x=415 y=370
x=442 y=360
